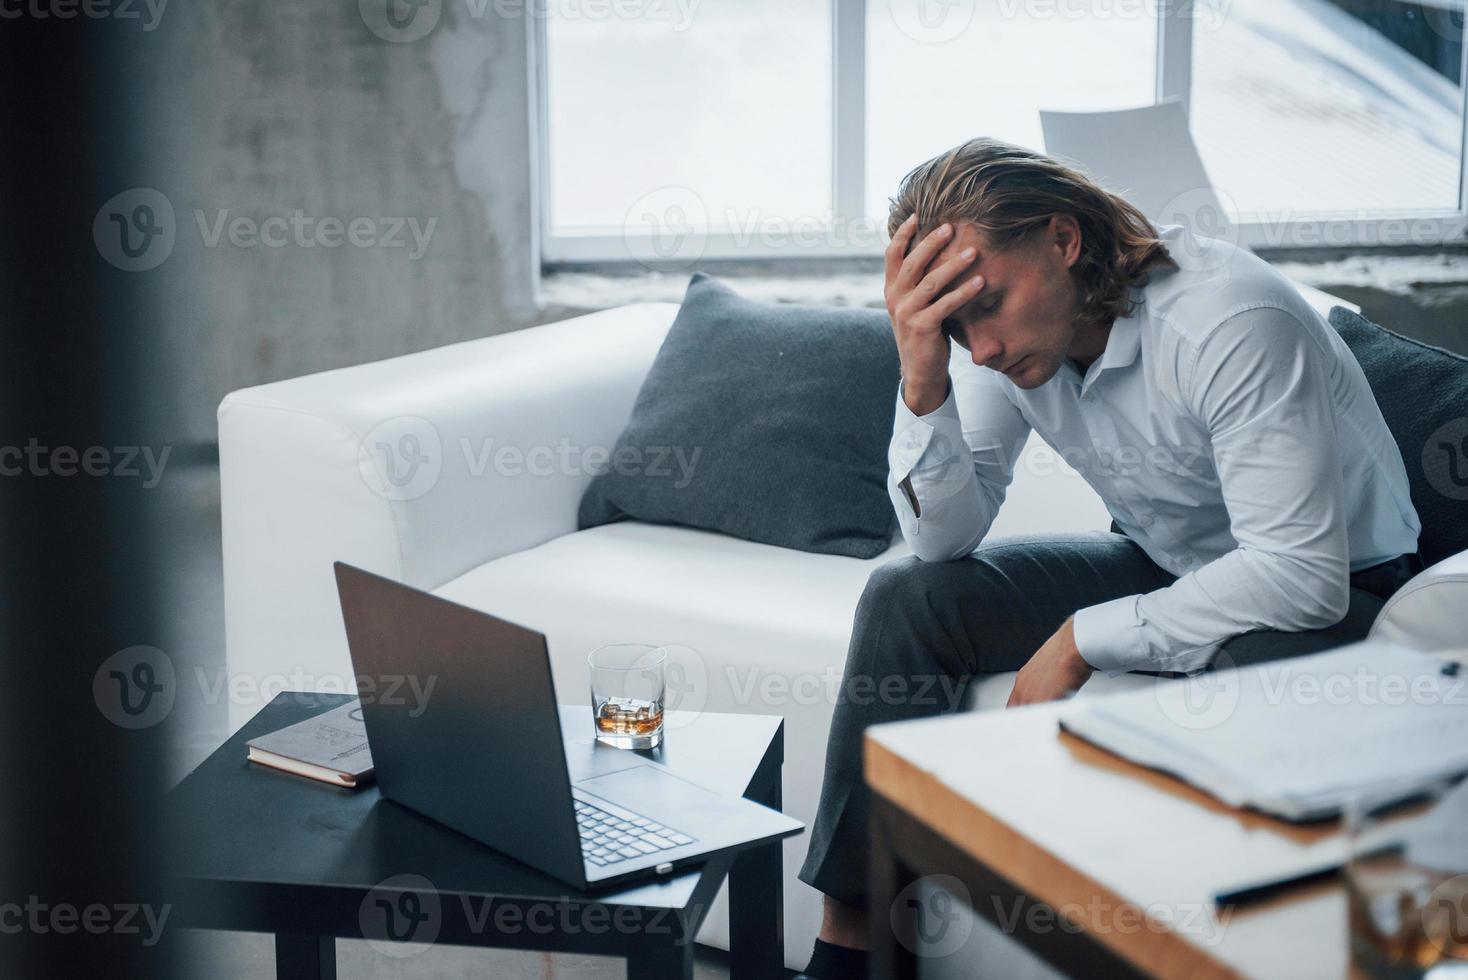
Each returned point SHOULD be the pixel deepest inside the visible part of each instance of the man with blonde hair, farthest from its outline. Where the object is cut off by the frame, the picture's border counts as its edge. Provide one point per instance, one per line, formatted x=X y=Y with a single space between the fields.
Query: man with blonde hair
x=1259 y=505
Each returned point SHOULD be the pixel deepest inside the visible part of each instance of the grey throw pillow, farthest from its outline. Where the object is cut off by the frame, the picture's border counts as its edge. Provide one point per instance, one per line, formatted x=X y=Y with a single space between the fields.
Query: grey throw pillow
x=765 y=421
x=1423 y=395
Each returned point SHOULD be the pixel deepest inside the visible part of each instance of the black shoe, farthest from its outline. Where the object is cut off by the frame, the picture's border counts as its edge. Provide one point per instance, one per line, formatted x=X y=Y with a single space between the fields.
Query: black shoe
x=831 y=962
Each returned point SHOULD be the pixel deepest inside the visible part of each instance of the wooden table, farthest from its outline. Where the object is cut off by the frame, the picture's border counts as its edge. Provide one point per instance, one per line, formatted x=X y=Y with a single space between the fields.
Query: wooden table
x=1034 y=821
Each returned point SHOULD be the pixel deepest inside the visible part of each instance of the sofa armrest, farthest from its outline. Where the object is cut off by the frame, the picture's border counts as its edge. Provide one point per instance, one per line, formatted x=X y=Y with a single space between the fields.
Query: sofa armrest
x=420 y=468
x=1427 y=612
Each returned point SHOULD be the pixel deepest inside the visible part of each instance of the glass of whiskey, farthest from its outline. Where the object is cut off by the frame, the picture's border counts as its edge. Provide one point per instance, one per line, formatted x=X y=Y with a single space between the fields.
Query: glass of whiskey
x=1407 y=886
x=627 y=691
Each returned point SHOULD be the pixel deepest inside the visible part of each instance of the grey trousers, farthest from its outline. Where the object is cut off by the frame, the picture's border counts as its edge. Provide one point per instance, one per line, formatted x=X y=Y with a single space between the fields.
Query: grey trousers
x=924 y=630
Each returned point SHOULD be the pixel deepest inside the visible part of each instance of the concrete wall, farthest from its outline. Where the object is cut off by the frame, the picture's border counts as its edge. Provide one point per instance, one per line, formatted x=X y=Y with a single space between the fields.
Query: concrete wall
x=251 y=111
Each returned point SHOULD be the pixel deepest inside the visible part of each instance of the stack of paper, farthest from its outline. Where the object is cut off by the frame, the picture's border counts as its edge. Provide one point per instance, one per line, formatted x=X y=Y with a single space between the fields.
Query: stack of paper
x=1298 y=738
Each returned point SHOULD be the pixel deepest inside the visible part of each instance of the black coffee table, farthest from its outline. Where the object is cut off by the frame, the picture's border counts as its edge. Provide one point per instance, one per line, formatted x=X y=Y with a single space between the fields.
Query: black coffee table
x=263 y=851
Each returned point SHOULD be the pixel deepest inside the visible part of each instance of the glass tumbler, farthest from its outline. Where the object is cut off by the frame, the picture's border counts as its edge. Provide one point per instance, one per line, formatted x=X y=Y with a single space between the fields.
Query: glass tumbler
x=1407 y=885
x=627 y=692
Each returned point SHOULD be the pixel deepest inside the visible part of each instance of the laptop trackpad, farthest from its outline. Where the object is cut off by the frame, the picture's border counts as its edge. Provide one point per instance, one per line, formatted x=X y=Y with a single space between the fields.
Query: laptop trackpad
x=648 y=788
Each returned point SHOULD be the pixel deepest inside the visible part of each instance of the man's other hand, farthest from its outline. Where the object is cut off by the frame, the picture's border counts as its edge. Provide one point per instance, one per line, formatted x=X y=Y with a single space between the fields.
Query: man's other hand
x=1056 y=670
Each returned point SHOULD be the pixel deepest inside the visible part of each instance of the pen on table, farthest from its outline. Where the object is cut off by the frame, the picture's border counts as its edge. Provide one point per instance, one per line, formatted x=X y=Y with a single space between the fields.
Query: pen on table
x=1255 y=891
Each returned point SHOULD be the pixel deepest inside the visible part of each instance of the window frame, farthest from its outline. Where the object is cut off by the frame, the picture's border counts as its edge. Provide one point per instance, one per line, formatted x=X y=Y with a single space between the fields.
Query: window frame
x=848 y=166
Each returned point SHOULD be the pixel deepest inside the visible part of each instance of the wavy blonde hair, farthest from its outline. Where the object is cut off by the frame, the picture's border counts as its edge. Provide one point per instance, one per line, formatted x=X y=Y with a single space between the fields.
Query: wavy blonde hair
x=1008 y=192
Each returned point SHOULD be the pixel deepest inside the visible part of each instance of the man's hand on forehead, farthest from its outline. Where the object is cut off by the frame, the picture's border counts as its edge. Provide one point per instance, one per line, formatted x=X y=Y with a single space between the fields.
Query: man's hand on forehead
x=974 y=268
x=920 y=296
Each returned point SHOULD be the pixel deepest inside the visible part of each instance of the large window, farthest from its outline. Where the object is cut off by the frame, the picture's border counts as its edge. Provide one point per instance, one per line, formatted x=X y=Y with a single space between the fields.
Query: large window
x=927 y=91
x=1313 y=107
x=676 y=121
x=752 y=128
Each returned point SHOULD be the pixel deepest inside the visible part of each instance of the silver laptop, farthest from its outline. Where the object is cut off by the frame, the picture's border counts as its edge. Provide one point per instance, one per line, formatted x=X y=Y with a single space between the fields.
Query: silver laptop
x=483 y=753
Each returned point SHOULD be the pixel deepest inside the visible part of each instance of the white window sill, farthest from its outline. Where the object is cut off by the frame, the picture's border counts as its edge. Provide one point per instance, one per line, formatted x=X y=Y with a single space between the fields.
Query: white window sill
x=566 y=291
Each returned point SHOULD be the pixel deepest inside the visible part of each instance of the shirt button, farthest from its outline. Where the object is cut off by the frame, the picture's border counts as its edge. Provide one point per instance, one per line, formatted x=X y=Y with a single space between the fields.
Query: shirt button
x=1145 y=520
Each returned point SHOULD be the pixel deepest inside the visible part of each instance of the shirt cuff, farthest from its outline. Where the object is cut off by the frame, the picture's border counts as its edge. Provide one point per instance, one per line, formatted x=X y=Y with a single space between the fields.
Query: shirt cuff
x=1106 y=635
x=911 y=433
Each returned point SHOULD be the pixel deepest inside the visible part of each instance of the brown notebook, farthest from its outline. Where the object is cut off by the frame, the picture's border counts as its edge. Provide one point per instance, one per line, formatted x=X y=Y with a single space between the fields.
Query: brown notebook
x=331 y=747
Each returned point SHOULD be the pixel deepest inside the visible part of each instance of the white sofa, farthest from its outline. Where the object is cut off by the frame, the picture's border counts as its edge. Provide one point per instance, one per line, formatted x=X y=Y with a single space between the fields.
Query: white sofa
x=400 y=467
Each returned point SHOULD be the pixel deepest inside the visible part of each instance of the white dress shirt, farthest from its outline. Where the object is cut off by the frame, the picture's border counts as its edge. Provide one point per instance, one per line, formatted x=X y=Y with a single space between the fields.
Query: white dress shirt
x=1229 y=431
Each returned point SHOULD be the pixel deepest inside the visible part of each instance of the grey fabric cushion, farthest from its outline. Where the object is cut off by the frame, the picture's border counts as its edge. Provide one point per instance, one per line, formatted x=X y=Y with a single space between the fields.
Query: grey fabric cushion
x=766 y=421
x=1423 y=395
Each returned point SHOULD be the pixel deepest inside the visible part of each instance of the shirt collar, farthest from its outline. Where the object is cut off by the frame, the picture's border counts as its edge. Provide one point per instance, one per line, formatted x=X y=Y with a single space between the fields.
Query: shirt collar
x=1123 y=344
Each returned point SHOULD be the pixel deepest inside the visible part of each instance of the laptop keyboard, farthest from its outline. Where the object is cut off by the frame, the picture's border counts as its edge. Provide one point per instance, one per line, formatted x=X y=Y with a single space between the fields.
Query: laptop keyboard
x=609 y=834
